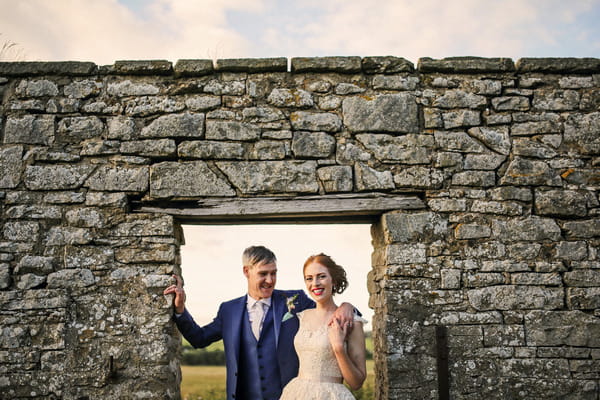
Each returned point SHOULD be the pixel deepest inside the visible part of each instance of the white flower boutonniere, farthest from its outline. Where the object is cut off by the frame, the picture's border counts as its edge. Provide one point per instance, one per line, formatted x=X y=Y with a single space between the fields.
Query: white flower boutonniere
x=290 y=306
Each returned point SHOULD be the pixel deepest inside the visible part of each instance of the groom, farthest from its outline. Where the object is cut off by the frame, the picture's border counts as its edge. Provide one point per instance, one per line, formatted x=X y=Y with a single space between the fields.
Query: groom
x=259 y=345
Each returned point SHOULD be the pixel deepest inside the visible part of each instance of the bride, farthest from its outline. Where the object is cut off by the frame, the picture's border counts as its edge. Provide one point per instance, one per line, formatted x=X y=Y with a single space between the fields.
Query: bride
x=328 y=354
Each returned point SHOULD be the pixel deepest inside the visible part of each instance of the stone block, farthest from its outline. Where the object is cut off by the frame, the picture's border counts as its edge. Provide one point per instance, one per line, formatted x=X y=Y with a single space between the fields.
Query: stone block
x=297 y=98
x=272 y=176
x=566 y=203
x=458 y=141
x=186 y=179
x=262 y=114
x=269 y=150
x=513 y=297
x=555 y=100
x=202 y=102
x=582 y=229
x=150 y=148
x=393 y=113
x=311 y=121
x=583 y=278
x=503 y=335
x=472 y=231
x=418 y=177
x=344 y=65
x=119 y=179
x=523 y=171
x=526 y=229
x=35 y=264
x=558 y=65
x=211 y=149
x=83 y=89
x=483 y=279
x=536 y=278
x=231 y=130
x=497 y=207
x=562 y=328
x=455 y=119
x=336 y=178
x=483 y=161
x=144 y=106
x=313 y=144
x=193 y=67
x=460 y=99
x=450 y=278
x=510 y=103
x=30 y=281
x=143 y=67
x=367 y=178
x=157 y=253
x=406 y=253
x=126 y=88
x=30 y=129
x=252 y=65
x=348 y=152
x=386 y=65
x=571 y=251
x=421 y=227
x=496 y=138
x=395 y=82
x=474 y=178
x=64 y=235
x=581 y=133
x=36 y=88
x=71 y=279
x=447 y=205
x=407 y=149
x=465 y=65
x=176 y=125
x=5 y=276
x=21 y=231
x=11 y=164
x=77 y=129
x=34 y=212
x=587 y=298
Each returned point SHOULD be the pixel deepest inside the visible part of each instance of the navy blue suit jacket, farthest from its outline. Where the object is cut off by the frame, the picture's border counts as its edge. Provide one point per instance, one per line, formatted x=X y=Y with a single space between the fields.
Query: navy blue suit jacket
x=227 y=326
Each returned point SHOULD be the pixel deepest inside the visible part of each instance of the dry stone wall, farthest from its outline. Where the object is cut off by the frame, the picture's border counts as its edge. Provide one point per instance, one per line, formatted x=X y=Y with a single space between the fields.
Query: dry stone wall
x=489 y=282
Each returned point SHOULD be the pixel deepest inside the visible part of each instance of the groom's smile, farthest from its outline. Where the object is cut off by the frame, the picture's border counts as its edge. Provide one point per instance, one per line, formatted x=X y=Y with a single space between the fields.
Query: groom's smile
x=261 y=280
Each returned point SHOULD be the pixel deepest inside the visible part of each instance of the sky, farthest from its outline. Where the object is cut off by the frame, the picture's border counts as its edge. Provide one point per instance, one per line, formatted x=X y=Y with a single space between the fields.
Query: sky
x=104 y=31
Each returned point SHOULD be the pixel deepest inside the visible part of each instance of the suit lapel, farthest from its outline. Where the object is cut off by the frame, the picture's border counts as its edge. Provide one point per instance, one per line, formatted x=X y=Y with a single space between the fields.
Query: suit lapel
x=235 y=315
x=278 y=304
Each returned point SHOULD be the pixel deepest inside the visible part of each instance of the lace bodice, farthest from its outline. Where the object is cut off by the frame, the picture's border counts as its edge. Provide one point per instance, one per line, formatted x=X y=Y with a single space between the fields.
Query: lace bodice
x=314 y=352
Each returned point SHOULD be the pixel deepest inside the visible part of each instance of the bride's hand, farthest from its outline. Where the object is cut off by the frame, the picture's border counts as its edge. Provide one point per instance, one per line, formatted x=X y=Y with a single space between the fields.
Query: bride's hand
x=337 y=335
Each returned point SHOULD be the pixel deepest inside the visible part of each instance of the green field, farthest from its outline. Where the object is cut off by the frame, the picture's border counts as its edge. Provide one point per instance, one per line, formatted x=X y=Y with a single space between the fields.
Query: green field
x=202 y=382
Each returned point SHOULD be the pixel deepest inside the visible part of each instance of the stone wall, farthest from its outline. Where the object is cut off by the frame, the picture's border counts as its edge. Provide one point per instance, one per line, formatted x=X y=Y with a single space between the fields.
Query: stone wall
x=496 y=246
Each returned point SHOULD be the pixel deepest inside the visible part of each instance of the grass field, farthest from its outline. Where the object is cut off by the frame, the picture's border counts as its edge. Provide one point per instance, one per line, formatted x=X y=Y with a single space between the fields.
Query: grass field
x=208 y=383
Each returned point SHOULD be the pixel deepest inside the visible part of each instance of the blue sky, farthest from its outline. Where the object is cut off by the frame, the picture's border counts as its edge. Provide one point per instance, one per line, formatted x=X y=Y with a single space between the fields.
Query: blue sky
x=107 y=30
x=104 y=31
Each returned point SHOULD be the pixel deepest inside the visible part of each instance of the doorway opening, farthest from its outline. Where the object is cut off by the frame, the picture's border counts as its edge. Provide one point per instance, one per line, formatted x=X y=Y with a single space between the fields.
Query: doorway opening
x=212 y=270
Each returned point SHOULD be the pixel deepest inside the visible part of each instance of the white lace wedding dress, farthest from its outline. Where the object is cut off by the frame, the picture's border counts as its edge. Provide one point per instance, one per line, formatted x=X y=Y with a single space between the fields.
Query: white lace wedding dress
x=319 y=376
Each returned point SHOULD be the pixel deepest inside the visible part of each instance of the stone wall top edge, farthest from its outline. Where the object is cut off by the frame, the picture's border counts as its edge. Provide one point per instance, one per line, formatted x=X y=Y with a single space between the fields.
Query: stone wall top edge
x=329 y=64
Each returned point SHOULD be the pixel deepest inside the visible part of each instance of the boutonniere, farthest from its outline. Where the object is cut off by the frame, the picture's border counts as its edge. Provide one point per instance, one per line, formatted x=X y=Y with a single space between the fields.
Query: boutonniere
x=290 y=306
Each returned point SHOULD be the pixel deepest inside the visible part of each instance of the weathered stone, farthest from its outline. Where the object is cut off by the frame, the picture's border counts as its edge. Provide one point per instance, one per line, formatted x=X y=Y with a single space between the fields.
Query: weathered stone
x=474 y=178
x=582 y=229
x=231 y=130
x=483 y=279
x=30 y=129
x=82 y=89
x=189 y=179
x=522 y=171
x=408 y=149
x=394 y=113
x=291 y=98
x=252 y=65
x=584 y=298
x=62 y=235
x=262 y=114
x=35 y=264
x=145 y=225
x=202 y=102
x=36 y=88
x=419 y=177
x=311 y=121
x=512 y=297
x=336 y=178
x=458 y=141
x=510 y=103
x=77 y=129
x=118 y=200
x=269 y=150
x=209 y=149
x=581 y=133
x=535 y=128
x=119 y=179
x=496 y=207
x=11 y=164
x=496 y=138
x=422 y=227
x=511 y=193
x=466 y=65
x=405 y=253
x=386 y=65
x=90 y=257
x=21 y=231
x=472 y=231
x=455 y=119
x=5 y=276
x=176 y=125
x=146 y=254
x=448 y=205
x=71 y=279
x=483 y=161
x=272 y=176
x=583 y=278
x=367 y=178
x=526 y=229
x=395 y=82
x=532 y=148
x=34 y=212
x=30 y=281
x=349 y=152
x=57 y=177
x=559 y=328
x=536 y=278
x=150 y=148
x=571 y=251
x=432 y=118
x=193 y=67
x=460 y=99
x=326 y=64
x=128 y=88
x=150 y=105
x=313 y=144
x=555 y=100
x=561 y=202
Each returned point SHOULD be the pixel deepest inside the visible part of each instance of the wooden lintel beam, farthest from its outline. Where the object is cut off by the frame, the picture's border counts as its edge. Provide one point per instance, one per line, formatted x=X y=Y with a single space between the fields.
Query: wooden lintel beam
x=329 y=208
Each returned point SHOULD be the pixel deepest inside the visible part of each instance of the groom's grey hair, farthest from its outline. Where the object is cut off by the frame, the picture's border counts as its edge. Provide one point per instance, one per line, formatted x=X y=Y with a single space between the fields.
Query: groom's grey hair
x=255 y=255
